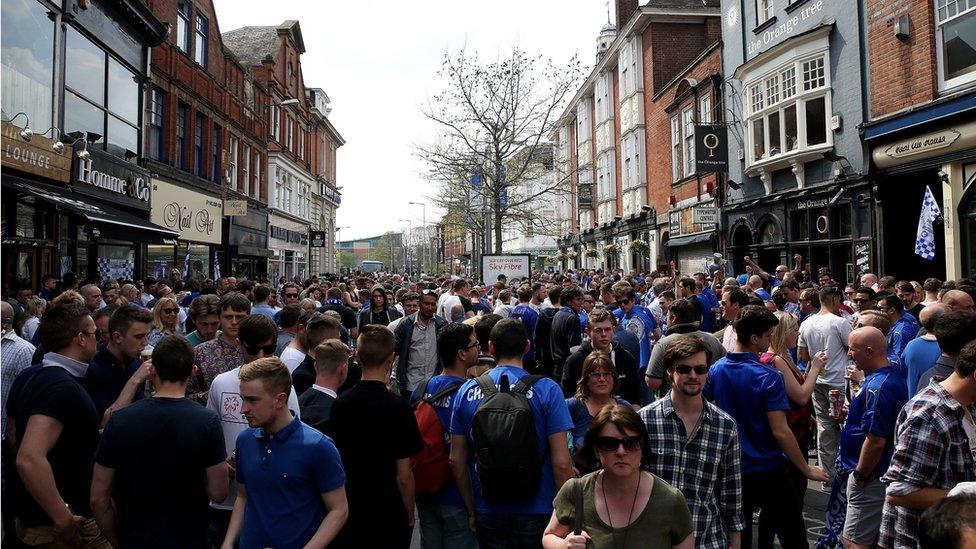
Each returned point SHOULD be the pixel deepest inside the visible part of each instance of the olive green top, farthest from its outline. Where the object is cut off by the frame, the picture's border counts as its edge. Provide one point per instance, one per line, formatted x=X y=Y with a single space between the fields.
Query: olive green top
x=665 y=520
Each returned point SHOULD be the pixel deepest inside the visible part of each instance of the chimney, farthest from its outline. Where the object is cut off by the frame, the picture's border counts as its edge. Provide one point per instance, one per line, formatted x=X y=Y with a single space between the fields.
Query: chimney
x=625 y=10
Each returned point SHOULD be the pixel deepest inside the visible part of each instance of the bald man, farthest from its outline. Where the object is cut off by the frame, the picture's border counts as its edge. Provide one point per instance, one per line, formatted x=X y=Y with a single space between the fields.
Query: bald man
x=921 y=353
x=958 y=300
x=867 y=441
x=756 y=283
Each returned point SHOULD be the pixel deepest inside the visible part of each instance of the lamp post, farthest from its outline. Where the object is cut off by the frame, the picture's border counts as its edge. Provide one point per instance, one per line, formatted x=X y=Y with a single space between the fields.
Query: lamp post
x=426 y=244
x=335 y=240
x=406 y=248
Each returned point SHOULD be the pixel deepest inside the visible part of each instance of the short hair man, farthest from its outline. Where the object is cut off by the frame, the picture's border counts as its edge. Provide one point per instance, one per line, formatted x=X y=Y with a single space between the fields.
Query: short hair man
x=931 y=286
x=222 y=353
x=409 y=304
x=566 y=331
x=867 y=441
x=958 y=300
x=331 y=368
x=183 y=452
x=320 y=327
x=755 y=396
x=927 y=461
x=826 y=331
x=637 y=320
x=15 y=356
x=528 y=314
x=443 y=520
x=116 y=378
x=303 y=343
x=922 y=352
x=256 y=339
x=681 y=321
x=952 y=332
x=504 y=525
x=416 y=345
x=904 y=326
x=705 y=466
x=381 y=494
x=262 y=294
x=290 y=320
x=733 y=300
x=93 y=296
x=56 y=431
x=204 y=310
x=333 y=302
x=307 y=509
x=949 y=523
x=600 y=328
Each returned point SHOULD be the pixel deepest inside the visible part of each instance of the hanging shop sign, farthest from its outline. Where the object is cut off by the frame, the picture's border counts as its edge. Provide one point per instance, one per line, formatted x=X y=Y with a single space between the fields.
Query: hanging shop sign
x=704 y=215
x=36 y=156
x=196 y=216
x=235 y=207
x=317 y=239
x=711 y=148
x=584 y=196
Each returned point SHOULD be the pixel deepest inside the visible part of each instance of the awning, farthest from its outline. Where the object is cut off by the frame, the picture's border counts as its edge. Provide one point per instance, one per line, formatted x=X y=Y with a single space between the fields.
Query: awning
x=689 y=239
x=96 y=213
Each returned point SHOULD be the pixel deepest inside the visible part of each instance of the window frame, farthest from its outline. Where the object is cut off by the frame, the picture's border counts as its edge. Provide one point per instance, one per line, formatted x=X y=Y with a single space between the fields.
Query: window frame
x=957 y=81
x=199 y=145
x=795 y=95
x=201 y=35
x=182 y=116
x=677 y=163
x=764 y=11
x=688 y=139
x=584 y=123
x=246 y=168
x=215 y=153
x=157 y=124
x=183 y=33
x=232 y=161
x=601 y=98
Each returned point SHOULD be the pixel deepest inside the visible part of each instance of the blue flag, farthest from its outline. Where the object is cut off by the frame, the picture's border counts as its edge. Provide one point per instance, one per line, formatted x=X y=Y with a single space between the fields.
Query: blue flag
x=186 y=262
x=925 y=239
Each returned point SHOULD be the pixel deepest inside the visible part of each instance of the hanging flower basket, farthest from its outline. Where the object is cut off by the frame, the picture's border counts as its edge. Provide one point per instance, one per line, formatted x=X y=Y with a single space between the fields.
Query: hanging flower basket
x=561 y=257
x=572 y=254
x=639 y=247
x=611 y=250
x=549 y=260
x=591 y=252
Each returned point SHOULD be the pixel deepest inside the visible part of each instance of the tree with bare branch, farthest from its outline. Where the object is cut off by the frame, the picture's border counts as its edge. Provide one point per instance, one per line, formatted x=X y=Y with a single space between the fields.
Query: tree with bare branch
x=495 y=119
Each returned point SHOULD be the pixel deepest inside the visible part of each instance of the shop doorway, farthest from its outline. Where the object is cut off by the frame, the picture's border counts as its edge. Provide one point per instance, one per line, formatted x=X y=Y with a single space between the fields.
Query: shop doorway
x=28 y=264
x=741 y=241
x=901 y=203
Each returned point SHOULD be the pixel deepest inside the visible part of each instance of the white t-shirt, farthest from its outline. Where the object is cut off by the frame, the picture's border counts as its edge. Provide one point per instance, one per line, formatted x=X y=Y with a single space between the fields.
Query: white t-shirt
x=444 y=311
x=292 y=358
x=827 y=333
x=225 y=399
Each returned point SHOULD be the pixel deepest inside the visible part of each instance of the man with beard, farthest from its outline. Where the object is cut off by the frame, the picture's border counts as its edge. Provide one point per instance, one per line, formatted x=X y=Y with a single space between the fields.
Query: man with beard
x=695 y=446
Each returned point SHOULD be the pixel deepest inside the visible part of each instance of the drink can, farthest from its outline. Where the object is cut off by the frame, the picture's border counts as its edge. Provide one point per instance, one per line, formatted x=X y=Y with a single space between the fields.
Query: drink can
x=836 y=399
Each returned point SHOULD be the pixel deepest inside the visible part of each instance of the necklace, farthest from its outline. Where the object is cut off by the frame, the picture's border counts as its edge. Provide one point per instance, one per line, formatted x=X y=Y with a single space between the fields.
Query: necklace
x=630 y=516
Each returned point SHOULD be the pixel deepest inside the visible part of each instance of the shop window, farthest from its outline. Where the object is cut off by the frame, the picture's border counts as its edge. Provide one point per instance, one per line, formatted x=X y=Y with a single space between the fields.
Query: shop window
x=956 y=42
x=800 y=225
x=27 y=38
x=25 y=218
x=111 y=111
x=183 y=27
x=789 y=110
x=862 y=219
x=116 y=262
x=159 y=260
x=769 y=234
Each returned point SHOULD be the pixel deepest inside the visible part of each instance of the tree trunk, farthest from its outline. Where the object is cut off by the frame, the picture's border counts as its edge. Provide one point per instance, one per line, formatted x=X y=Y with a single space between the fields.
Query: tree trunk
x=497 y=229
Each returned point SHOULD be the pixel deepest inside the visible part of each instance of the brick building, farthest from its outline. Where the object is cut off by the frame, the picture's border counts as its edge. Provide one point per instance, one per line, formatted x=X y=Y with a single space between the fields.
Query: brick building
x=205 y=143
x=273 y=55
x=922 y=130
x=325 y=192
x=615 y=132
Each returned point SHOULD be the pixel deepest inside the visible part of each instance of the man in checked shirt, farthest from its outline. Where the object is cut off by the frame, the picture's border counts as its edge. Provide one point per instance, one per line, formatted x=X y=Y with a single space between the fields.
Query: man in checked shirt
x=696 y=447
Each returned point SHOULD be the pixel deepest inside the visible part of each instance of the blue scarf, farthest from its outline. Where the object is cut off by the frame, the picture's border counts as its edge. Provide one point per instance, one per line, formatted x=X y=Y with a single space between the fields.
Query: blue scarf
x=836 y=513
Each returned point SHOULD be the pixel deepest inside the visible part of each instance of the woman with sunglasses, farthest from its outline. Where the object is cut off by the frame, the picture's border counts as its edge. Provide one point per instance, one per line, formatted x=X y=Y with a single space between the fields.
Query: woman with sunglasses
x=596 y=388
x=166 y=314
x=623 y=506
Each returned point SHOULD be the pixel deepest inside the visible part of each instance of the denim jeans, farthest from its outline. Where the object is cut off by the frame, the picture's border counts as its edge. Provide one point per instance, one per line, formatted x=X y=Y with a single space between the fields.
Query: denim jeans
x=511 y=531
x=445 y=527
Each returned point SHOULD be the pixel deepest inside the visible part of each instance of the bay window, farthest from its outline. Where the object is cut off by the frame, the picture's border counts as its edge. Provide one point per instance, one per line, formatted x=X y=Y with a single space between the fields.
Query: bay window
x=789 y=109
x=584 y=130
x=603 y=107
x=955 y=42
x=606 y=189
x=632 y=154
x=688 y=135
x=676 y=172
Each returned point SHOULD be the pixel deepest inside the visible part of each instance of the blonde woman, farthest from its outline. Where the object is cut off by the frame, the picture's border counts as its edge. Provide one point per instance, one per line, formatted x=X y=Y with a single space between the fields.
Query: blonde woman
x=166 y=316
x=799 y=389
x=34 y=311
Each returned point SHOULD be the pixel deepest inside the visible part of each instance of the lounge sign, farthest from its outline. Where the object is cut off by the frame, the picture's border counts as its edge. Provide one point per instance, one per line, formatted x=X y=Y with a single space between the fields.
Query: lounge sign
x=36 y=156
x=196 y=216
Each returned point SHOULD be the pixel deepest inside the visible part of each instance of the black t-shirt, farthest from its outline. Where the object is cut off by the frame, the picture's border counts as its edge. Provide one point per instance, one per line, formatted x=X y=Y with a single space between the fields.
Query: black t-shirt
x=465 y=304
x=304 y=376
x=52 y=391
x=373 y=428
x=349 y=320
x=160 y=449
x=316 y=407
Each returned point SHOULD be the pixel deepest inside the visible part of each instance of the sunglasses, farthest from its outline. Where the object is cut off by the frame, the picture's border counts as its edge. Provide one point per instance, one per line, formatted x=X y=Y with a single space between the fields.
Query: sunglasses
x=610 y=444
x=684 y=369
x=254 y=349
x=291 y=295
x=625 y=301
x=170 y=311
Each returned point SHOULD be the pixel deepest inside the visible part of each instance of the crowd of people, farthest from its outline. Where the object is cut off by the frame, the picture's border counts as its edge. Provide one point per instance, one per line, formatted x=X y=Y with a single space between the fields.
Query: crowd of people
x=584 y=408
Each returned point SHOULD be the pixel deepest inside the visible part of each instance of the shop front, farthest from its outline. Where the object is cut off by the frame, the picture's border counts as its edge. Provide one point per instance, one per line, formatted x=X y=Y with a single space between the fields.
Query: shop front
x=931 y=148
x=247 y=250
x=690 y=240
x=197 y=217
x=288 y=241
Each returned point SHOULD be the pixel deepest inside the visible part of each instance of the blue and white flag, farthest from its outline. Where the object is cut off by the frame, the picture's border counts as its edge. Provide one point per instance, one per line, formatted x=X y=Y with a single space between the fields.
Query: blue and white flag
x=925 y=240
x=186 y=262
x=216 y=266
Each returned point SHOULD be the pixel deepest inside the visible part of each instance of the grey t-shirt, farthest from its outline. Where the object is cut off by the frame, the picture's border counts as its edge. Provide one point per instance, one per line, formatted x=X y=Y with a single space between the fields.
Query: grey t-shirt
x=422 y=358
x=655 y=366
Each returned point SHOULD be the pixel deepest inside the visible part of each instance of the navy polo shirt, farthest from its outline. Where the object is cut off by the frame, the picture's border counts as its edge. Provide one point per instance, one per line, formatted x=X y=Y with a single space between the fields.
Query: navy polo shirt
x=874 y=410
x=285 y=474
x=107 y=377
x=746 y=390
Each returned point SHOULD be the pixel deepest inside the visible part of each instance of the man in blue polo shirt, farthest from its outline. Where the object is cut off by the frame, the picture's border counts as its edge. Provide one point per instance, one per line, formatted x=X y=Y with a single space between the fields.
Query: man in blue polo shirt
x=501 y=525
x=755 y=396
x=291 y=485
x=904 y=326
x=867 y=441
x=528 y=315
x=636 y=319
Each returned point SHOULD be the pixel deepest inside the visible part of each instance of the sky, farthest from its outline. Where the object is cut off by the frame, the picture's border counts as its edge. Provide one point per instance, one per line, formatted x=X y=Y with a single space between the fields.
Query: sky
x=378 y=60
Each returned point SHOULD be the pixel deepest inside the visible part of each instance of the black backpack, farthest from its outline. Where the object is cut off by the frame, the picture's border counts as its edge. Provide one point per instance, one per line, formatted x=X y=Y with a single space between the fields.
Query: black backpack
x=506 y=450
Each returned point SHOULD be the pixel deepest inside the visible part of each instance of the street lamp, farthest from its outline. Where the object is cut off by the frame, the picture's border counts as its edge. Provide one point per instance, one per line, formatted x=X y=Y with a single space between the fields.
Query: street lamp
x=425 y=244
x=406 y=253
